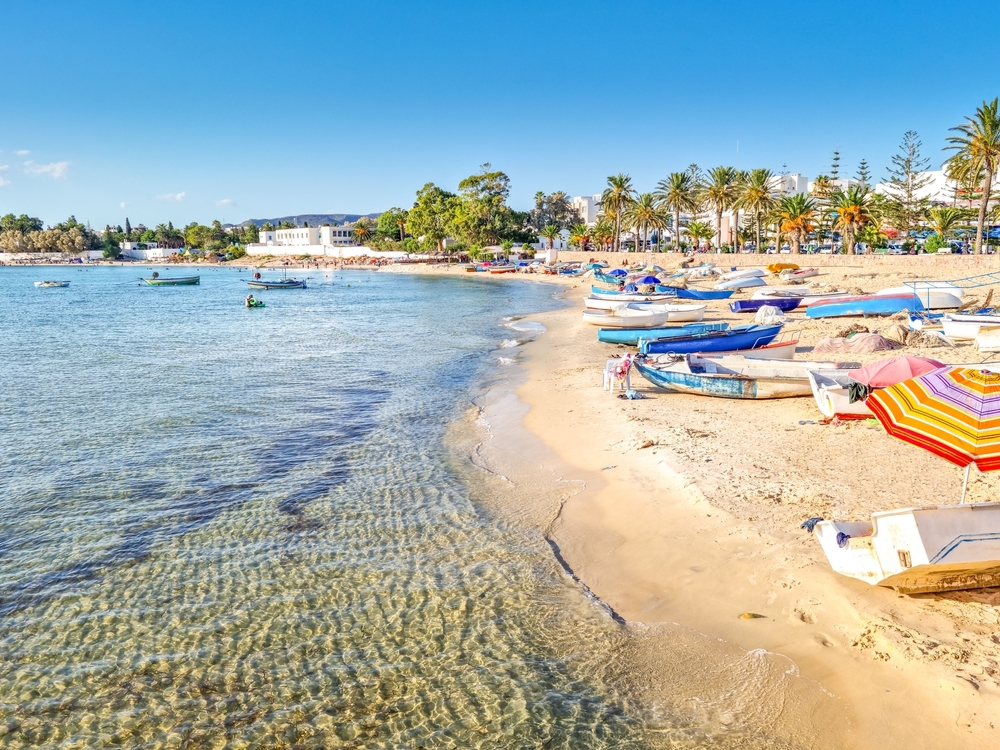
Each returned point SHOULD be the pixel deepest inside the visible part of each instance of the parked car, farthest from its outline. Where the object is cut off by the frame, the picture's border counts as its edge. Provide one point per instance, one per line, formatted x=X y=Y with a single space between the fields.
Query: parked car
x=894 y=248
x=825 y=249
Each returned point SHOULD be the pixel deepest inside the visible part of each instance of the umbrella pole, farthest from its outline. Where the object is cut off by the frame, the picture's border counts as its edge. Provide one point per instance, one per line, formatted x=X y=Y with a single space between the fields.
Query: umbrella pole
x=965 y=484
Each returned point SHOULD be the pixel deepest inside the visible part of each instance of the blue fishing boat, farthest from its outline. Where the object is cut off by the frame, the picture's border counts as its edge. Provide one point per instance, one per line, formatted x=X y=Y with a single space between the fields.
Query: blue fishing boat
x=632 y=335
x=753 y=305
x=694 y=293
x=870 y=304
x=737 y=338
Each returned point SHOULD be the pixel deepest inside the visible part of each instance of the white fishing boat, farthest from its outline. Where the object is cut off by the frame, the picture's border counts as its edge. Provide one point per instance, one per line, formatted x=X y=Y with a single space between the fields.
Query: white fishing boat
x=831 y=391
x=940 y=297
x=793 y=274
x=918 y=550
x=620 y=297
x=961 y=327
x=807 y=297
x=679 y=313
x=627 y=316
x=52 y=284
x=988 y=339
x=732 y=376
x=743 y=273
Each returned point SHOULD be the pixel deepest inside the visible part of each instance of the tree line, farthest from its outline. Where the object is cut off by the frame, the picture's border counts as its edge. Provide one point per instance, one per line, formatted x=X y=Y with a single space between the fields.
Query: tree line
x=759 y=206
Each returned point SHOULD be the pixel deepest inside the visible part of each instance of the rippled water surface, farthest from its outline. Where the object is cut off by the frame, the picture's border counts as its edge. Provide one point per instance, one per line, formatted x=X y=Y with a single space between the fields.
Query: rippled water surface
x=223 y=527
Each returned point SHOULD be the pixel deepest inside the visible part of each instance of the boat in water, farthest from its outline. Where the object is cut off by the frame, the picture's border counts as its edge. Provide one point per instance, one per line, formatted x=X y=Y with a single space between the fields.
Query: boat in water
x=738 y=377
x=52 y=284
x=157 y=280
x=279 y=284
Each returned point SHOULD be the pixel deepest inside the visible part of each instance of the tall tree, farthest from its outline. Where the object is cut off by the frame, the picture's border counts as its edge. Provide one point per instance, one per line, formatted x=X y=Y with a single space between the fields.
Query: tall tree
x=432 y=214
x=128 y=230
x=864 y=173
x=977 y=141
x=756 y=197
x=644 y=215
x=852 y=210
x=482 y=215
x=797 y=215
x=678 y=194
x=720 y=192
x=905 y=183
x=615 y=200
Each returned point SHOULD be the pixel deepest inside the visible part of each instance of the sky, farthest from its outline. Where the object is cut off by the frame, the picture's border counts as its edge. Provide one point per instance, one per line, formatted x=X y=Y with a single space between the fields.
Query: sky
x=198 y=110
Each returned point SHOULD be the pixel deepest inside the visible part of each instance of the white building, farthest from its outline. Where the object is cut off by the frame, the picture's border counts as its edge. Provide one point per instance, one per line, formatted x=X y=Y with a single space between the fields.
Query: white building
x=145 y=250
x=588 y=207
x=337 y=242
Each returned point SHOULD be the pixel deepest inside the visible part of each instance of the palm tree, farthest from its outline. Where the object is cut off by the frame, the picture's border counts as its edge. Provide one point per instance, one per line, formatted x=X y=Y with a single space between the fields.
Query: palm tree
x=615 y=199
x=700 y=230
x=797 y=214
x=720 y=193
x=603 y=233
x=945 y=219
x=644 y=215
x=579 y=236
x=756 y=197
x=852 y=209
x=362 y=230
x=550 y=232
x=978 y=141
x=678 y=193
x=741 y=179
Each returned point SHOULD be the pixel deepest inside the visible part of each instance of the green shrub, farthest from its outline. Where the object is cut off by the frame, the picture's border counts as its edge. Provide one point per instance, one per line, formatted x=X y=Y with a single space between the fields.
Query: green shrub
x=934 y=243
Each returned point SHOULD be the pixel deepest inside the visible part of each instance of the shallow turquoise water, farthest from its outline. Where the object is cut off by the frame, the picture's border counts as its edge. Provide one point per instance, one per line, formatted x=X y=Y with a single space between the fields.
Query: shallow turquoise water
x=223 y=527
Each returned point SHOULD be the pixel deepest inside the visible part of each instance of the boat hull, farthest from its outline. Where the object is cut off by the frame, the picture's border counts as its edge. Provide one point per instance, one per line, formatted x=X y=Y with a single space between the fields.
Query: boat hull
x=741 y=282
x=933 y=298
x=52 y=284
x=744 y=337
x=749 y=379
x=703 y=294
x=625 y=318
x=833 y=398
x=753 y=305
x=632 y=335
x=864 y=306
x=177 y=281
x=919 y=550
x=276 y=284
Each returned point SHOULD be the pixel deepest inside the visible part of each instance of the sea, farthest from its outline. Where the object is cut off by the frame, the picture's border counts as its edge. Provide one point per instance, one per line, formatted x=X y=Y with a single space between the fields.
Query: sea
x=224 y=527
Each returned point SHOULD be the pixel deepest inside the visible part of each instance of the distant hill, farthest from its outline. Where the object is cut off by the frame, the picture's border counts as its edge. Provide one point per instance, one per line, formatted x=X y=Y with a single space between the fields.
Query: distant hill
x=313 y=220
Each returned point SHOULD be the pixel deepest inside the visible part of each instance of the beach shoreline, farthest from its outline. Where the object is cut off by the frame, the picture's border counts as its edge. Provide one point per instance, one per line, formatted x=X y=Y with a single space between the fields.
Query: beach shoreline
x=652 y=537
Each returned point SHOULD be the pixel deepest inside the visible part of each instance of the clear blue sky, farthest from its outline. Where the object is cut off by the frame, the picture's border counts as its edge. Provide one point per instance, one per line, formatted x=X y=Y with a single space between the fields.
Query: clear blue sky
x=250 y=109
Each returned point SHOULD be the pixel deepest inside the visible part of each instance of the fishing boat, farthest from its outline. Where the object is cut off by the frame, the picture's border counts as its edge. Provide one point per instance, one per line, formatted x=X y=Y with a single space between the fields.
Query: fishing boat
x=831 y=391
x=740 y=337
x=942 y=297
x=794 y=274
x=966 y=327
x=870 y=304
x=627 y=317
x=157 y=280
x=279 y=284
x=741 y=282
x=918 y=550
x=671 y=302
x=732 y=376
x=703 y=294
x=52 y=284
x=802 y=294
x=753 y=305
x=632 y=335
x=504 y=269
x=596 y=293
x=743 y=273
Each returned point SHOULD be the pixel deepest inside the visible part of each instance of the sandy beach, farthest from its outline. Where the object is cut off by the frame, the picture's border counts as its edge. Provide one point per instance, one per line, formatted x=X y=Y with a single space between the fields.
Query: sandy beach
x=682 y=513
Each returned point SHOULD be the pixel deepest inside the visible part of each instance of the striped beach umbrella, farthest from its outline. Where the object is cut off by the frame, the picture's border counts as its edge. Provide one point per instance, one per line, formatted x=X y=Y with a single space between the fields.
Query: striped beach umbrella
x=953 y=412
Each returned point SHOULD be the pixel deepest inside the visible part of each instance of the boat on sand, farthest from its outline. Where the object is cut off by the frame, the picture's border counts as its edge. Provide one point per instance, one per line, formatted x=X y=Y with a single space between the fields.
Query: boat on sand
x=740 y=337
x=632 y=335
x=832 y=394
x=736 y=377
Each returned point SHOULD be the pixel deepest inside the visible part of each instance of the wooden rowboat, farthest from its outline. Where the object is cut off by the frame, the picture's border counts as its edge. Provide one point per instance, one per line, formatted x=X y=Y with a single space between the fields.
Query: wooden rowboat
x=733 y=376
x=173 y=281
